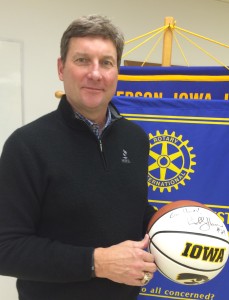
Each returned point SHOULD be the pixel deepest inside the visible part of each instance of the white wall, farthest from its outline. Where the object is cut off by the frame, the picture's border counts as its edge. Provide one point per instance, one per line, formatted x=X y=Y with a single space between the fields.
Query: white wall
x=10 y=88
x=40 y=24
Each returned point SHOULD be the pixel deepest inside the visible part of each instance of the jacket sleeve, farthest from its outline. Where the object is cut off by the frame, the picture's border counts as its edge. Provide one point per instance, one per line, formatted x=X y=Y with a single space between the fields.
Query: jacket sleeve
x=23 y=254
x=149 y=209
x=149 y=212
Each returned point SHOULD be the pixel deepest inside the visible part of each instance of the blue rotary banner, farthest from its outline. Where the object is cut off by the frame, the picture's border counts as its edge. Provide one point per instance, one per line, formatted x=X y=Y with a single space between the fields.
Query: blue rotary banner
x=188 y=159
x=200 y=83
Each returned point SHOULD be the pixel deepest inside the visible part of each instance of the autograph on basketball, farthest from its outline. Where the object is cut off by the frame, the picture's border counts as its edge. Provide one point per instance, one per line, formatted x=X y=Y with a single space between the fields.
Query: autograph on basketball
x=204 y=223
x=201 y=249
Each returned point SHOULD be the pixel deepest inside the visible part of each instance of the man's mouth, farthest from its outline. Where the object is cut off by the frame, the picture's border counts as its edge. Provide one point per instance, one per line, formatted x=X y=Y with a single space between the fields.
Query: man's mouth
x=93 y=89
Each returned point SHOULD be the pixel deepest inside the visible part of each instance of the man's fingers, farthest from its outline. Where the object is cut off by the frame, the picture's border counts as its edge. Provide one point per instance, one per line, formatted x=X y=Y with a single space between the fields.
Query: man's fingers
x=150 y=267
x=143 y=244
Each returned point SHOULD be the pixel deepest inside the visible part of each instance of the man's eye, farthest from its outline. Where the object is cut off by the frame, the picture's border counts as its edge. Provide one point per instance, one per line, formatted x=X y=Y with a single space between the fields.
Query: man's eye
x=81 y=61
x=108 y=63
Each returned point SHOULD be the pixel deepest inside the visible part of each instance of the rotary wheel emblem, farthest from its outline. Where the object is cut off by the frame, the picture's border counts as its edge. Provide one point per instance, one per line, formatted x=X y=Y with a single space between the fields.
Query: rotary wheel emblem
x=170 y=161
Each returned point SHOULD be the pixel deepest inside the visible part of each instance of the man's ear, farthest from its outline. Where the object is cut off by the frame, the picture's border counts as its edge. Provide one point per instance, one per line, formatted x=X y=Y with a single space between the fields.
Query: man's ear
x=60 y=67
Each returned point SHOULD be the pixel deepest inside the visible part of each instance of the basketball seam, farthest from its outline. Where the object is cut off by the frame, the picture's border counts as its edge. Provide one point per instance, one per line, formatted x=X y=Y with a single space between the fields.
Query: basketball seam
x=187 y=232
x=183 y=265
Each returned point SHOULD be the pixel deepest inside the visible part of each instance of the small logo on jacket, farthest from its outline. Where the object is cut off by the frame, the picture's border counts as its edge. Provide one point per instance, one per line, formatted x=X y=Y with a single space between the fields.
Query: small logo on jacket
x=125 y=158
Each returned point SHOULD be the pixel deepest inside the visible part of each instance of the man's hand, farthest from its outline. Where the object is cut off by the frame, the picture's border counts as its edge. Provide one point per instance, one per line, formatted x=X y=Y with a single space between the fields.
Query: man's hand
x=125 y=263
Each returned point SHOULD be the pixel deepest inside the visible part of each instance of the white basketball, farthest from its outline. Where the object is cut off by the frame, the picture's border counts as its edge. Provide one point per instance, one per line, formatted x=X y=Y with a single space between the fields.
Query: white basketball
x=189 y=242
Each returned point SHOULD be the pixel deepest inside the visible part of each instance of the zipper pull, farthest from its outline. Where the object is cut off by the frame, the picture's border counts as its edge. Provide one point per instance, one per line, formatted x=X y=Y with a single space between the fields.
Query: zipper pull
x=102 y=154
x=101 y=145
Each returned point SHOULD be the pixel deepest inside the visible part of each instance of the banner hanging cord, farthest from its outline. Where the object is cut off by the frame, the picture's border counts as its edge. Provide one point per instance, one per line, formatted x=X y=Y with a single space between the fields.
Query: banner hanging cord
x=176 y=30
x=181 y=50
x=201 y=36
x=204 y=51
x=151 y=51
x=143 y=35
x=145 y=41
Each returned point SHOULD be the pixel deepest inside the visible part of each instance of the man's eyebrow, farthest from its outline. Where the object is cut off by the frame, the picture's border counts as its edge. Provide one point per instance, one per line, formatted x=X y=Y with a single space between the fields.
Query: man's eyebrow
x=109 y=56
x=85 y=54
x=80 y=53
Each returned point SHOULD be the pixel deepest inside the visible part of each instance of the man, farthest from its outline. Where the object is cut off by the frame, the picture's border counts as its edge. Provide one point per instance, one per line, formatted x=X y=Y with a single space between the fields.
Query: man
x=73 y=184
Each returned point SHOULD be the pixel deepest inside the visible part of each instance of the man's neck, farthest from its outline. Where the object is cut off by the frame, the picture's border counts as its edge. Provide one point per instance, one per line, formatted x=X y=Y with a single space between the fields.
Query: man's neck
x=99 y=119
x=97 y=116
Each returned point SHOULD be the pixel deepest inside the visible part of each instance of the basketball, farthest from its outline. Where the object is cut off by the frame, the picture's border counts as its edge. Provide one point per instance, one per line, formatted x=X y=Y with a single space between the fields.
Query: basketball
x=189 y=242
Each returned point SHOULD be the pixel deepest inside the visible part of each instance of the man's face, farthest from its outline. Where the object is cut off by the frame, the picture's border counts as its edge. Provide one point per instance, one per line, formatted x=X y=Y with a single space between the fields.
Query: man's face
x=90 y=73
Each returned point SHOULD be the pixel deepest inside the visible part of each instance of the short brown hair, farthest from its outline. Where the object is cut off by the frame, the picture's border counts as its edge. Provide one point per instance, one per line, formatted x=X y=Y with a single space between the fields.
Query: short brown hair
x=93 y=25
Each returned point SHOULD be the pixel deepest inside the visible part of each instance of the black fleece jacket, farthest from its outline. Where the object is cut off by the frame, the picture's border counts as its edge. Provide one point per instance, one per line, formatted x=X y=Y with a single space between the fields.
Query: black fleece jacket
x=62 y=194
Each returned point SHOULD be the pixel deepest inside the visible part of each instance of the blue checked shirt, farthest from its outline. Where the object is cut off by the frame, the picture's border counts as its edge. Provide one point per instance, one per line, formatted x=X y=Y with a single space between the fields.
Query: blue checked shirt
x=94 y=126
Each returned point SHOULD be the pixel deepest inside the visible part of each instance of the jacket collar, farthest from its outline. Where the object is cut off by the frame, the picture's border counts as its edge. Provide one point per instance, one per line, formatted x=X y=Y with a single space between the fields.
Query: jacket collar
x=69 y=115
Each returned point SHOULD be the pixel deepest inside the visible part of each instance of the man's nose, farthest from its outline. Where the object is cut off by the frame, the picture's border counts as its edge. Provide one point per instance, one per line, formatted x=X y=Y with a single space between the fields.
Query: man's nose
x=95 y=72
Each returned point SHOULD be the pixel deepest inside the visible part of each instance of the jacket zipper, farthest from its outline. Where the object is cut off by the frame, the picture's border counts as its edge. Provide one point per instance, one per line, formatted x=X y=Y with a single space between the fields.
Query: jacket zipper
x=100 y=141
x=102 y=154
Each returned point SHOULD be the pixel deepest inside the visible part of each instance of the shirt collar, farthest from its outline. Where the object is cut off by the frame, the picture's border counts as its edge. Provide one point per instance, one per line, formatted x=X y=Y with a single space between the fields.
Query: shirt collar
x=94 y=126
